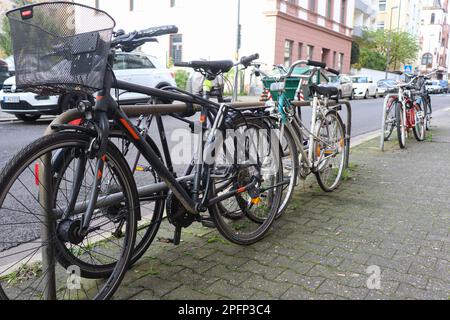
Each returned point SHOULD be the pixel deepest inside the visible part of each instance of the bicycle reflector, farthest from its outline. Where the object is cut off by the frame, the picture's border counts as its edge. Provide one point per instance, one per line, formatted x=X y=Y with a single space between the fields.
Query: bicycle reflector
x=26 y=13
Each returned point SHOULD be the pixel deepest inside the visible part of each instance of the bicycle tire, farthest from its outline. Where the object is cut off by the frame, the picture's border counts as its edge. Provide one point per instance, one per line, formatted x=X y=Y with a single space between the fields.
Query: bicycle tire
x=263 y=226
x=320 y=150
x=401 y=130
x=419 y=129
x=37 y=150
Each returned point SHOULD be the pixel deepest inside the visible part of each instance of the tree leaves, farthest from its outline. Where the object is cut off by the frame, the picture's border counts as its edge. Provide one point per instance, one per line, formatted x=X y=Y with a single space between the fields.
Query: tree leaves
x=374 y=47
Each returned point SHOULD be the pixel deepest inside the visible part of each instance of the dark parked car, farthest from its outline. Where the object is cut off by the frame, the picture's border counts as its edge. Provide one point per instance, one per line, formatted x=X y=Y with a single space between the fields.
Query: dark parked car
x=4 y=72
x=444 y=85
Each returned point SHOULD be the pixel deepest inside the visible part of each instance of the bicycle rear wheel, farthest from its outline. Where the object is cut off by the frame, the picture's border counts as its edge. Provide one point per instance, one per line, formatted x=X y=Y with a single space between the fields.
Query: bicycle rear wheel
x=250 y=212
x=329 y=152
x=44 y=256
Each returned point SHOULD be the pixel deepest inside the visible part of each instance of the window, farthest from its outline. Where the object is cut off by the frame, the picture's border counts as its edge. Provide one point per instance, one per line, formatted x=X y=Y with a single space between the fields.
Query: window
x=329 y=9
x=172 y=3
x=427 y=59
x=380 y=25
x=343 y=11
x=131 y=61
x=340 y=61
x=334 y=59
x=325 y=55
x=97 y=4
x=310 y=52
x=300 y=51
x=382 y=5
x=176 y=47
x=433 y=17
x=312 y=5
x=288 y=52
x=131 y=5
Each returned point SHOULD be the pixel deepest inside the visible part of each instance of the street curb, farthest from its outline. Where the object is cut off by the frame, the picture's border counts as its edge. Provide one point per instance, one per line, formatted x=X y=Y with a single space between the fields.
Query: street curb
x=358 y=140
x=13 y=120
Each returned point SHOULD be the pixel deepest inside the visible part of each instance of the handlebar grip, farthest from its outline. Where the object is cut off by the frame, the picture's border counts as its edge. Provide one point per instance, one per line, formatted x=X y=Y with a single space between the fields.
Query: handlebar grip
x=157 y=31
x=316 y=64
x=247 y=60
x=183 y=64
x=333 y=71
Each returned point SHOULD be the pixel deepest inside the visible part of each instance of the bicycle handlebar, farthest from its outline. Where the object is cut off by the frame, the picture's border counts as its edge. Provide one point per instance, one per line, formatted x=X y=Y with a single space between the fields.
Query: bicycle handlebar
x=311 y=63
x=332 y=71
x=135 y=39
x=157 y=31
x=316 y=64
x=246 y=61
x=183 y=64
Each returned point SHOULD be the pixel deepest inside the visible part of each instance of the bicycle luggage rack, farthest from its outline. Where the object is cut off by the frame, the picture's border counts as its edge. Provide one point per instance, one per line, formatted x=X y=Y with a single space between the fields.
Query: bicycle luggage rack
x=48 y=258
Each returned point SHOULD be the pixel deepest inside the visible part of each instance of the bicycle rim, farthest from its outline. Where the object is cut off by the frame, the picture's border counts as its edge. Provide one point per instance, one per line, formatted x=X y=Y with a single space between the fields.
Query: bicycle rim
x=25 y=273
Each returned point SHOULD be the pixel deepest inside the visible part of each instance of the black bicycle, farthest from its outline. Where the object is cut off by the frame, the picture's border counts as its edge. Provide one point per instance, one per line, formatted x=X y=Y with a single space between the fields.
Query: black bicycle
x=68 y=201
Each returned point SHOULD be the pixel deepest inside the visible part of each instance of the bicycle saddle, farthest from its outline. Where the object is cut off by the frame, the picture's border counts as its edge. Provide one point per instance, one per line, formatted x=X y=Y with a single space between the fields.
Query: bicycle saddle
x=324 y=91
x=213 y=67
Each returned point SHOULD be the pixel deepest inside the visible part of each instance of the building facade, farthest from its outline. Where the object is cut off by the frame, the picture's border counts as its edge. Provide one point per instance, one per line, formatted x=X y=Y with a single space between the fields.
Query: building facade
x=434 y=37
x=401 y=15
x=366 y=12
x=281 y=31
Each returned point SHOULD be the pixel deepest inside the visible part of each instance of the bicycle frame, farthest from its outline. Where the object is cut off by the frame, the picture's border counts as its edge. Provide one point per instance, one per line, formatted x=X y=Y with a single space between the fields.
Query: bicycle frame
x=106 y=106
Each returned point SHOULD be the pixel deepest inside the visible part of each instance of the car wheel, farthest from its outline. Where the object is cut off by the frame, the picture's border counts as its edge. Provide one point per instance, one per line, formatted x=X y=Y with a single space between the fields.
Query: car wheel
x=28 y=117
x=376 y=94
x=340 y=95
x=366 y=96
x=352 y=96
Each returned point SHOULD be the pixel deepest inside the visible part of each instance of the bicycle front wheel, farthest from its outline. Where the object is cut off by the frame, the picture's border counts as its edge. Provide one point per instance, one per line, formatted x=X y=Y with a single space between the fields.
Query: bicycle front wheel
x=401 y=128
x=390 y=121
x=43 y=256
x=420 y=125
x=329 y=151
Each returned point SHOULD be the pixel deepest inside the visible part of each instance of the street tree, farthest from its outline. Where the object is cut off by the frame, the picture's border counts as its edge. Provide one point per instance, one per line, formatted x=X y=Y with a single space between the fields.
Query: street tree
x=374 y=46
x=5 y=36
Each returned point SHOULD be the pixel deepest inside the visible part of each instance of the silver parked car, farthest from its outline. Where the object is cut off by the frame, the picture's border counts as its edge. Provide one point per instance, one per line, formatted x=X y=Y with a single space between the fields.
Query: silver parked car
x=344 y=85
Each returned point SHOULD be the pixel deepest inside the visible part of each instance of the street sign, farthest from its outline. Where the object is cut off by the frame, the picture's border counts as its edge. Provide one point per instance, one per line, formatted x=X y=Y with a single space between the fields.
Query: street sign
x=408 y=69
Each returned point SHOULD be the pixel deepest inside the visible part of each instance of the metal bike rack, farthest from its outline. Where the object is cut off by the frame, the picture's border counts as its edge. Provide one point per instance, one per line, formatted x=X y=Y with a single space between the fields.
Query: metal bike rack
x=47 y=229
x=383 y=120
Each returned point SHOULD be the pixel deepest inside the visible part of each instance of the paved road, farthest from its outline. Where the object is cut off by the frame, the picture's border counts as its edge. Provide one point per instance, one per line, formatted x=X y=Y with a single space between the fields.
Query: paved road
x=366 y=118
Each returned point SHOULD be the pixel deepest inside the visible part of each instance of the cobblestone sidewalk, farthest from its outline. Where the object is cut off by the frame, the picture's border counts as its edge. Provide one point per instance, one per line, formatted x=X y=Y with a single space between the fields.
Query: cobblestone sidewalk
x=393 y=212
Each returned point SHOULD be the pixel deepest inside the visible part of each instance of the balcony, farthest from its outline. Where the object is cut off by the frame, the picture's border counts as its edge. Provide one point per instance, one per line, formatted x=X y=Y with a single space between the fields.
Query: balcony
x=365 y=7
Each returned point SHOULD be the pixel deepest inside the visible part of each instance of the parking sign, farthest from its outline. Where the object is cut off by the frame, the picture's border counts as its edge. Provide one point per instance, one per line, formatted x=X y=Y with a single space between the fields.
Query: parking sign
x=408 y=69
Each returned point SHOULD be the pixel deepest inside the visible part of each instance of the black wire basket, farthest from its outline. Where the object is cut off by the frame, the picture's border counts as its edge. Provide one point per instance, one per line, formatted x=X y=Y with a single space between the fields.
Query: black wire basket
x=60 y=47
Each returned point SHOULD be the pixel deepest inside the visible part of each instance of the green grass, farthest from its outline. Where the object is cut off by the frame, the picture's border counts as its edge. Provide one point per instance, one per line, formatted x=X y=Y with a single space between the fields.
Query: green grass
x=347 y=173
x=24 y=273
x=215 y=239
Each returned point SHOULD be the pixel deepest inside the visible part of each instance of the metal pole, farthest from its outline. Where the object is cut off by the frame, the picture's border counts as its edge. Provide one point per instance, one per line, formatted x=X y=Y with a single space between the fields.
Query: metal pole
x=238 y=46
x=47 y=228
